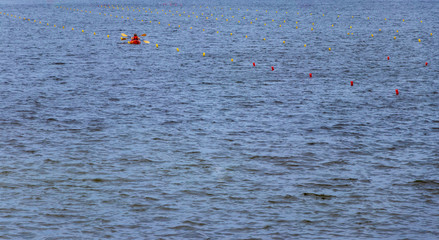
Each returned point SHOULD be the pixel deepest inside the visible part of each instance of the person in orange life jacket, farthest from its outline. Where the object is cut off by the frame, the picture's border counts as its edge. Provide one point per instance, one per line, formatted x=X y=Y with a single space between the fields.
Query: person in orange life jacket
x=135 y=37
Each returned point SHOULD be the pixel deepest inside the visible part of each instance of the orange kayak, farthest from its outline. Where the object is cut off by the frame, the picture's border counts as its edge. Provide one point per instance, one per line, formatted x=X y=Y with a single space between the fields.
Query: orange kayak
x=134 y=42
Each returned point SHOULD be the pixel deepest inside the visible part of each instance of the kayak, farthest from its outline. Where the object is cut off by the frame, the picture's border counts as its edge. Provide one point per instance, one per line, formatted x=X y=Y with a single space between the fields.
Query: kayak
x=134 y=42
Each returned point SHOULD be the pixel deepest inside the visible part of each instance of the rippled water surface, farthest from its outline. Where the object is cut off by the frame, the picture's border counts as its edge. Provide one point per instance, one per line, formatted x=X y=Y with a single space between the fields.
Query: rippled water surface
x=101 y=139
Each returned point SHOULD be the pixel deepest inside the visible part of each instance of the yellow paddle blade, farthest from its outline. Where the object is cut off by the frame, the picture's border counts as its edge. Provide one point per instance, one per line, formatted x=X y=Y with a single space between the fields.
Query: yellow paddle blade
x=143 y=35
x=123 y=38
x=145 y=41
x=124 y=35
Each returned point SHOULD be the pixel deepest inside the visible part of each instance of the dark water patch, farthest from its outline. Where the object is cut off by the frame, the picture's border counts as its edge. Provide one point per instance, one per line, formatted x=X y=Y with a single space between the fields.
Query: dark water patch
x=319 y=196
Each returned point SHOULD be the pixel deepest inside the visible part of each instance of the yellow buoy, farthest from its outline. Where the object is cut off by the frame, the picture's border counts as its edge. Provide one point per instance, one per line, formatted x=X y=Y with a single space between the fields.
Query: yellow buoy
x=304 y=45
x=332 y=25
x=108 y=36
x=431 y=34
x=283 y=42
x=94 y=33
x=264 y=39
x=47 y=24
x=62 y=27
x=280 y=25
x=245 y=36
x=419 y=40
x=372 y=35
x=312 y=29
x=385 y=19
x=230 y=34
x=394 y=37
x=178 y=50
x=156 y=45
x=329 y=49
x=82 y=30
x=72 y=29
x=403 y=20
x=421 y=21
x=379 y=29
x=397 y=31
x=204 y=54
x=297 y=27
x=350 y=26
x=312 y=24
x=232 y=60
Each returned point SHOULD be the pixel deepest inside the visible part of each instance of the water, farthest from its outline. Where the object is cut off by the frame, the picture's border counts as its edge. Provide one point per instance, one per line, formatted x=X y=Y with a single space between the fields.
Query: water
x=101 y=139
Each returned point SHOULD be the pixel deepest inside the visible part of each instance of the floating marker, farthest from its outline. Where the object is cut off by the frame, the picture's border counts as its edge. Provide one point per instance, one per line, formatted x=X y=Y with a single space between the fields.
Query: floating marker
x=156 y=45
x=272 y=68
x=254 y=65
x=94 y=33
x=352 y=83
x=396 y=91
x=419 y=40
x=372 y=35
x=82 y=30
x=394 y=37
x=426 y=63
x=310 y=75
x=178 y=50
x=304 y=45
x=108 y=36
x=232 y=60
x=204 y=54
x=329 y=49
x=388 y=58
x=283 y=42
x=431 y=34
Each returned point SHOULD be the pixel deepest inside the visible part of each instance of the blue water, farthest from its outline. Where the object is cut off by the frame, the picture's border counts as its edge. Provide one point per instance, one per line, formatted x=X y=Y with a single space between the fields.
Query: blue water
x=102 y=139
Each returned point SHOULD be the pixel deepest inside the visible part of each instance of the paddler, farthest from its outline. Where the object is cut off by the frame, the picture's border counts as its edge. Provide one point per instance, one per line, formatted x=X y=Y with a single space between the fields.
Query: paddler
x=135 y=37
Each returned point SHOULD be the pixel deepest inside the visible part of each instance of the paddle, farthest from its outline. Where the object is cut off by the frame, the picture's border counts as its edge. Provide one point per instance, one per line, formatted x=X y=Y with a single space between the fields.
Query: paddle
x=146 y=41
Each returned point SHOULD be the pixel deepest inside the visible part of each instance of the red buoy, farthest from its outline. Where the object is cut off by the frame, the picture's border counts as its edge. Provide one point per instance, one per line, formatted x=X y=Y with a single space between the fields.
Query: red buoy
x=254 y=64
x=310 y=75
x=426 y=63
x=352 y=83
x=396 y=91
x=388 y=58
x=272 y=68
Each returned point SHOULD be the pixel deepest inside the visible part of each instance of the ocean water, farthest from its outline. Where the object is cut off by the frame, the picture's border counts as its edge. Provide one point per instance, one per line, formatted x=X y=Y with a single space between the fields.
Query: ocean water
x=102 y=139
